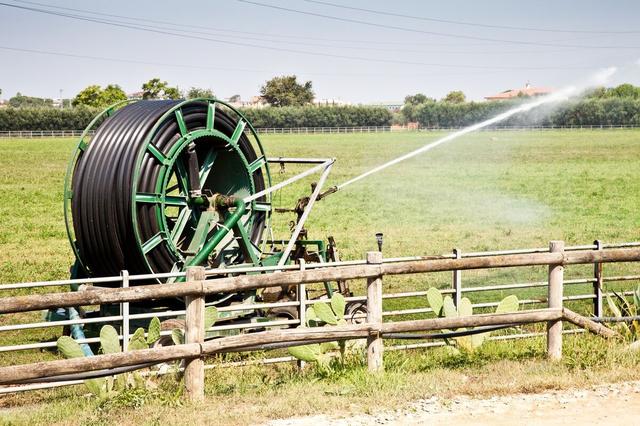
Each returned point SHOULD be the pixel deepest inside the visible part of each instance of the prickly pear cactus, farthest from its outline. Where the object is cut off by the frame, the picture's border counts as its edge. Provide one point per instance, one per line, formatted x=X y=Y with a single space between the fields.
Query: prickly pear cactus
x=153 y=334
x=434 y=297
x=137 y=340
x=109 y=343
x=331 y=313
x=109 y=340
x=210 y=317
x=69 y=348
x=444 y=307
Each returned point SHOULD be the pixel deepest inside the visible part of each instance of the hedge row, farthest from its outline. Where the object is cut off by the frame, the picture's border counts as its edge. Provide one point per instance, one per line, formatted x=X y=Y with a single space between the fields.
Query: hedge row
x=324 y=116
x=78 y=118
x=46 y=118
x=584 y=112
x=611 y=111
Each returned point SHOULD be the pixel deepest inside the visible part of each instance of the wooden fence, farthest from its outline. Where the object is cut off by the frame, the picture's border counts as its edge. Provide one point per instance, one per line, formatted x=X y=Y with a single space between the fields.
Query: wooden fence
x=374 y=330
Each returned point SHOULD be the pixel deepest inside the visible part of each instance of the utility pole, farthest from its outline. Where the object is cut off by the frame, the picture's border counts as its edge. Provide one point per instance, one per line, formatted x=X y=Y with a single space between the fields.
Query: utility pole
x=61 y=100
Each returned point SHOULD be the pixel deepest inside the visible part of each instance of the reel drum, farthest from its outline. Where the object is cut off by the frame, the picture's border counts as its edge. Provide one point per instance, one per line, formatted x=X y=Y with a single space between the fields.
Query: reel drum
x=137 y=192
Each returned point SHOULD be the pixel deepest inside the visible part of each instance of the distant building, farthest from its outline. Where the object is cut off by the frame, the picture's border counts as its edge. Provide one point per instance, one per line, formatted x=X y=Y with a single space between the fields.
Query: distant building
x=526 y=91
x=330 y=102
x=393 y=106
x=254 y=102
x=135 y=95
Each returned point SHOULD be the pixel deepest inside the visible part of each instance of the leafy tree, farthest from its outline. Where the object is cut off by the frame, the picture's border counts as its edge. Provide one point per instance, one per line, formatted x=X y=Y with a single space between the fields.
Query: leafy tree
x=598 y=93
x=410 y=107
x=89 y=96
x=112 y=94
x=286 y=91
x=625 y=90
x=157 y=89
x=455 y=97
x=172 y=93
x=417 y=99
x=153 y=89
x=22 y=101
x=196 y=92
x=95 y=96
x=234 y=98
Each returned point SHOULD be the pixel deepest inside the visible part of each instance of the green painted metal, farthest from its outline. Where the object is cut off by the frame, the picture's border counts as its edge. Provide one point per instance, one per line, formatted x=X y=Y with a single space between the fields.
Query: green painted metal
x=174 y=167
x=202 y=231
x=225 y=165
x=217 y=237
x=250 y=251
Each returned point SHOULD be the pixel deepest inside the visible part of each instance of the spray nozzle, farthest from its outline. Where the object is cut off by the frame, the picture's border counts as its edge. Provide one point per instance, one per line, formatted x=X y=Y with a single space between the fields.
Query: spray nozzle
x=379 y=236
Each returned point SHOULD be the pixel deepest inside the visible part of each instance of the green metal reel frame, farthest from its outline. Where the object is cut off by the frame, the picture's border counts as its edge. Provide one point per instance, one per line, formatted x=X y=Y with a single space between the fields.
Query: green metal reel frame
x=168 y=161
x=171 y=167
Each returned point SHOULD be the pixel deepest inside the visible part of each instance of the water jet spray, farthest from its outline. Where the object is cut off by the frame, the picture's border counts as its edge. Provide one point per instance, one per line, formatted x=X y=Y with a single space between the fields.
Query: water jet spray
x=560 y=96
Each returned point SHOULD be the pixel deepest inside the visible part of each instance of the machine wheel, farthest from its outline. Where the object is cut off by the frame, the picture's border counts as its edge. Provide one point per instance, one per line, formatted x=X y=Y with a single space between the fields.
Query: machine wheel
x=168 y=325
x=353 y=312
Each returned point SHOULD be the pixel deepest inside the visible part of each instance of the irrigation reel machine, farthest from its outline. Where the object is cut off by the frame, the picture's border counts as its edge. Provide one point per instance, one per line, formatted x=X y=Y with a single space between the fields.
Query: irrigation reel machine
x=165 y=185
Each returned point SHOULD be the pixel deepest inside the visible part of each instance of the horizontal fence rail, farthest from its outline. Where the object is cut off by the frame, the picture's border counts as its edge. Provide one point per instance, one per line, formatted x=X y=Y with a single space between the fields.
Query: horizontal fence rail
x=301 y=275
x=33 y=134
x=335 y=273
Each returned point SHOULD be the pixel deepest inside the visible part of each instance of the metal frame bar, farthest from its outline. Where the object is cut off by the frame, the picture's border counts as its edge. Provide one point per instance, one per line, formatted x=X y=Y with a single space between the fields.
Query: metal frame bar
x=305 y=213
x=289 y=181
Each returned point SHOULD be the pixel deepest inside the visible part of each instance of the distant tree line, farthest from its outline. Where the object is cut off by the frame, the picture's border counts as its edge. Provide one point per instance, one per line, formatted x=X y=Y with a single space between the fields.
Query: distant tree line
x=589 y=111
x=308 y=116
x=602 y=106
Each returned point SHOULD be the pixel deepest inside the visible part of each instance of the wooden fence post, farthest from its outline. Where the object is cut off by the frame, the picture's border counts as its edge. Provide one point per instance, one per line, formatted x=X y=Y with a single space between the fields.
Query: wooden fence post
x=457 y=280
x=375 y=347
x=555 y=293
x=597 y=284
x=194 y=333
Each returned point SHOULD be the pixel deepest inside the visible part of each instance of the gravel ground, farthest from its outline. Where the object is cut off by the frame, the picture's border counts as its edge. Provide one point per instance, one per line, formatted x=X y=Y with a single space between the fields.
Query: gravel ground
x=614 y=404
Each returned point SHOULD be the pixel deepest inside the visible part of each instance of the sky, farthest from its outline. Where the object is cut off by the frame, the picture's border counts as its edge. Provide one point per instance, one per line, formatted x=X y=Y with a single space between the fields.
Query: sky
x=358 y=56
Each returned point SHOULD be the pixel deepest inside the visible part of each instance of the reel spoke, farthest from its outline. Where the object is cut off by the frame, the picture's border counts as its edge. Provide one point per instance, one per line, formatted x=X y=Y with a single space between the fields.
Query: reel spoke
x=181 y=222
x=193 y=171
x=182 y=175
x=237 y=132
x=207 y=165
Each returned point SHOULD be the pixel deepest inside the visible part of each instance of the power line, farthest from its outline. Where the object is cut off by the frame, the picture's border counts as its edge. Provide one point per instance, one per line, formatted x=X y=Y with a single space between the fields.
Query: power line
x=129 y=61
x=471 y=24
x=216 y=33
x=207 y=67
x=279 y=49
x=229 y=30
x=291 y=39
x=433 y=33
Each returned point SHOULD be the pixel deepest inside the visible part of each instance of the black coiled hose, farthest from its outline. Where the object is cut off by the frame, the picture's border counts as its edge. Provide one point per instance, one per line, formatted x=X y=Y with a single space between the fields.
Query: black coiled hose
x=103 y=181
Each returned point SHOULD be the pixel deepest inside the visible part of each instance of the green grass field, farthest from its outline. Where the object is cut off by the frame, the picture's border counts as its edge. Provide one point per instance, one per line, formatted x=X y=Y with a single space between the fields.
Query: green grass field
x=485 y=191
x=490 y=190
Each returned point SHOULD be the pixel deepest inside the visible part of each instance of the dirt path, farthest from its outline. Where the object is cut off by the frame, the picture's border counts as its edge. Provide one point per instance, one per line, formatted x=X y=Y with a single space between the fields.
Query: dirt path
x=606 y=404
